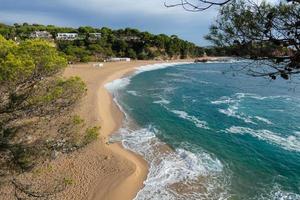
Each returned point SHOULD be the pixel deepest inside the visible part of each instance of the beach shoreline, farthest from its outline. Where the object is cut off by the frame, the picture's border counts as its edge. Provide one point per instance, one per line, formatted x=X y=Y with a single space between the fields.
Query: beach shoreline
x=112 y=119
x=135 y=163
x=124 y=171
x=126 y=184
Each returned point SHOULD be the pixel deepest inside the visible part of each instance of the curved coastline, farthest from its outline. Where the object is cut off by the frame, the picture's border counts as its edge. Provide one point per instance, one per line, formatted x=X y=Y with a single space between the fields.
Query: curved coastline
x=131 y=185
x=129 y=175
x=112 y=117
x=103 y=171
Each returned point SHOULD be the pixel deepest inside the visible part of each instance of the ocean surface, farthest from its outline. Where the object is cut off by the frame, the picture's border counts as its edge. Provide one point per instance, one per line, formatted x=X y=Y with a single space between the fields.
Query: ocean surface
x=209 y=131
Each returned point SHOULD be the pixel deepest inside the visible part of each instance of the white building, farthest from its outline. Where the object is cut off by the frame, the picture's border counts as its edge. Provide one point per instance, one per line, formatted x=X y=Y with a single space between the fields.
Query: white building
x=41 y=34
x=67 y=36
x=131 y=38
x=118 y=59
x=94 y=36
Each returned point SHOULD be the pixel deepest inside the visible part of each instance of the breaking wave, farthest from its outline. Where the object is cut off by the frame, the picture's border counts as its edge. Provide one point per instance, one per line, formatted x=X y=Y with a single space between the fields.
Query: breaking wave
x=132 y=92
x=162 y=101
x=195 y=120
x=291 y=142
x=233 y=104
x=117 y=84
x=277 y=193
x=175 y=174
x=157 y=66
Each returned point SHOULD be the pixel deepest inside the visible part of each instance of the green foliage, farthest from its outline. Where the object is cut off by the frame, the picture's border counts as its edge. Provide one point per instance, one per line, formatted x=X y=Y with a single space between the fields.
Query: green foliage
x=91 y=135
x=77 y=120
x=131 y=53
x=122 y=43
x=27 y=60
x=59 y=92
x=45 y=57
x=86 y=29
x=68 y=181
x=24 y=159
x=13 y=66
x=79 y=52
x=33 y=93
x=261 y=31
x=142 y=55
x=86 y=58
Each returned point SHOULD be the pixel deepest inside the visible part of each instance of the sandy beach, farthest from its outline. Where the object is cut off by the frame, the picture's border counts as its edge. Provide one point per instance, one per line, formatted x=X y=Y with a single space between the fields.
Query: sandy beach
x=120 y=173
x=102 y=171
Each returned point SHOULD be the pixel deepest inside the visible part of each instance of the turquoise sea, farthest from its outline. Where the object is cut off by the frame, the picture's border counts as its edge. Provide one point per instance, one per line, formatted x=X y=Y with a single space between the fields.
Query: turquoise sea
x=209 y=131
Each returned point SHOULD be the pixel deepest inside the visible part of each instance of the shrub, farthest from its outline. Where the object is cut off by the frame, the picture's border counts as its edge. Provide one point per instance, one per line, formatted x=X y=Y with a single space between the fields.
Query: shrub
x=91 y=135
x=68 y=181
x=77 y=120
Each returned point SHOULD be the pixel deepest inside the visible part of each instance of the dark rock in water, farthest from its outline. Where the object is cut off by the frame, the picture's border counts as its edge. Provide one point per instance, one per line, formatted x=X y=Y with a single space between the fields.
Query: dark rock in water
x=200 y=61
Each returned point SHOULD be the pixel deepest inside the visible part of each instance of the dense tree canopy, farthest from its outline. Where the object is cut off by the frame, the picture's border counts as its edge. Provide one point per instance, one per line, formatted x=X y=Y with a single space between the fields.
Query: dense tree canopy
x=33 y=96
x=120 y=43
x=261 y=31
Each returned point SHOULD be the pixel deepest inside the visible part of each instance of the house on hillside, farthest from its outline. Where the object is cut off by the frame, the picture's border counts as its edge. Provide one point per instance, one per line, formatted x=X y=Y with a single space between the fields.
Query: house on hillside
x=67 y=36
x=94 y=36
x=41 y=34
x=131 y=38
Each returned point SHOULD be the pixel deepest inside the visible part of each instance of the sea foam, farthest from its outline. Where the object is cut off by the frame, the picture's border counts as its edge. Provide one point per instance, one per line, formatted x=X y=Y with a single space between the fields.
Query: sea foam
x=169 y=168
x=162 y=101
x=195 y=120
x=227 y=60
x=263 y=120
x=132 y=92
x=277 y=193
x=152 y=67
x=117 y=84
x=233 y=104
x=291 y=142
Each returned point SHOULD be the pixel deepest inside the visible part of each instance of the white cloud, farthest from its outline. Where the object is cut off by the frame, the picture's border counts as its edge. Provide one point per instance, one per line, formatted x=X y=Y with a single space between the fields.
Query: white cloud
x=154 y=8
x=27 y=16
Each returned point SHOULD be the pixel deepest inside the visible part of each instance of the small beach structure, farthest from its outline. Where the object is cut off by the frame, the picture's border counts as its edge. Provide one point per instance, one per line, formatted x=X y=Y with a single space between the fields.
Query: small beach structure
x=41 y=34
x=67 y=36
x=98 y=65
x=118 y=59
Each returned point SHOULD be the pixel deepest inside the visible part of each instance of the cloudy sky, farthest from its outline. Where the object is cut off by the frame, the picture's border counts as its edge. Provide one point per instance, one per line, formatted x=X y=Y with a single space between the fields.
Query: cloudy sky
x=146 y=15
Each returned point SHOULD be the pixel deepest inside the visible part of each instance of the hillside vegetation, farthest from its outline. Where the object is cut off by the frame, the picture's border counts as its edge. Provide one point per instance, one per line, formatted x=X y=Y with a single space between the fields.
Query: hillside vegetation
x=37 y=109
x=112 y=43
